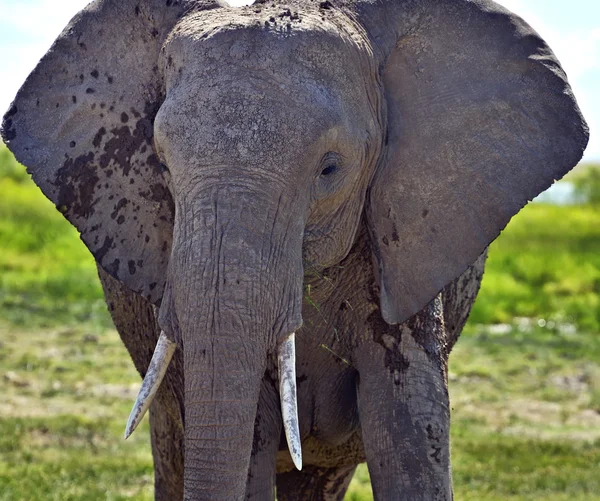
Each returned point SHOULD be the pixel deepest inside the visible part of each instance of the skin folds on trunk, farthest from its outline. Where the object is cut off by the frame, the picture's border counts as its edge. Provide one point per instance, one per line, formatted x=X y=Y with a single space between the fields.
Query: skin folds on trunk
x=236 y=288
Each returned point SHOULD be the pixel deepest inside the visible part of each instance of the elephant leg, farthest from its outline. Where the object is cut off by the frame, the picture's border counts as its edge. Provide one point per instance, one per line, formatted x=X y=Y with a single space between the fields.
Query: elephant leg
x=404 y=407
x=267 y=433
x=136 y=324
x=314 y=484
x=458 y=298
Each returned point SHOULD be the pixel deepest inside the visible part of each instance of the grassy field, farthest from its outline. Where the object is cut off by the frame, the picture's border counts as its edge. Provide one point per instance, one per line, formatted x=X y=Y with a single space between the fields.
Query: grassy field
x=525 y=376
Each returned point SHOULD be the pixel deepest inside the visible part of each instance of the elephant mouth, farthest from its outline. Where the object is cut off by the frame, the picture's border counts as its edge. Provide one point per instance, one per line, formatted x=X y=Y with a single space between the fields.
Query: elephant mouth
x=286 y=359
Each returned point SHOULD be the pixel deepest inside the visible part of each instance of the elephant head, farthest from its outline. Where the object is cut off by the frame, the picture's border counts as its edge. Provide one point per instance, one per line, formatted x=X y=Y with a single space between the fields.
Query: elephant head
x=212 y=157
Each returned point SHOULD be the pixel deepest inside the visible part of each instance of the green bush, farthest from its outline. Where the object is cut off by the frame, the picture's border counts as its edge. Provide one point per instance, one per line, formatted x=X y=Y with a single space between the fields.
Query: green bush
x=587 y=185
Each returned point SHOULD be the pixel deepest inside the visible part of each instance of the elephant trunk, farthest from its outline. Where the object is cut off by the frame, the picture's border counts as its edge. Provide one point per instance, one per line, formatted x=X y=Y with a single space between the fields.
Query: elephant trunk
x=236 y=291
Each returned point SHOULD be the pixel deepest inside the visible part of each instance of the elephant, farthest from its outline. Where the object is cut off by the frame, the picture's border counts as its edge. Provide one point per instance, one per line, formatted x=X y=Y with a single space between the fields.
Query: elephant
x=292 y=202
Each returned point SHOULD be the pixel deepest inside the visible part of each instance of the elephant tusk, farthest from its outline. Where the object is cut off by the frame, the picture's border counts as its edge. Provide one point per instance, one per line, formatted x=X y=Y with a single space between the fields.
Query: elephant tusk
x=156 y=372
x=289 y=404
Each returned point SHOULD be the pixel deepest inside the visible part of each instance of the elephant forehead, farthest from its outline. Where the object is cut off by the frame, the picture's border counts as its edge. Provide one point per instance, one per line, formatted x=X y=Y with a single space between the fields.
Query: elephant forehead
x=292 y=49
x=244 y=88
x=243 y=122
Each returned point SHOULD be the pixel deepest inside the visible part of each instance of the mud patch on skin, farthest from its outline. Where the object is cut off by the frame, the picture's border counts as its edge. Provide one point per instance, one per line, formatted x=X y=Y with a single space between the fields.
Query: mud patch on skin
x=427 y=330
x=77 y=180
x=390 y=338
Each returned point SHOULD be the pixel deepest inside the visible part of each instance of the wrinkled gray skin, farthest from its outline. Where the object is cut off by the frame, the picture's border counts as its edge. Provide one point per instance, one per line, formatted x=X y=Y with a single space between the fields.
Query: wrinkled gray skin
x=326 y=168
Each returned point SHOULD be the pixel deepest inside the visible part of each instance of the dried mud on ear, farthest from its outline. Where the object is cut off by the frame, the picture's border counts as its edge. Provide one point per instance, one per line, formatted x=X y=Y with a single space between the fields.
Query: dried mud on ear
x=82 y=124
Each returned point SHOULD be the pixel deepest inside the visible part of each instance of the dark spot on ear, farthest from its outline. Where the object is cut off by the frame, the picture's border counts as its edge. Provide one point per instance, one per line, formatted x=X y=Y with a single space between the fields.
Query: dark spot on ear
x=72 y=144
x=395 y=236
x=154 y=33
x=93 y=106
x=81 y=77
x=169 y=2
x=57 y=105
x=121 y=219
x=424 y=213
x=170 y=61
x=326 y=5
x=152 y=286
x=135 y=112
x=98 y=137
x=102 y=105
x=110 y=79
x=89 y=90
x=74 y=99
x=94 y=73
x=109 y=172
x=37 y=102
x=101 y=252
x=8 y=133
x=131 y=265
x=77 y=180
x=164 y=246
x=113 y=268
x=433 y=229
x=111 y=108
x=137 y=10
x=147 y=238
x=124 y=117
x=120 y=204
x=385 y=240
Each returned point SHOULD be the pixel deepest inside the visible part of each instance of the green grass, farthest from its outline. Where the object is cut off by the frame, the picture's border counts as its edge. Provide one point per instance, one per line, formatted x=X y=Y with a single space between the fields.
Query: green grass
x=545 y=265
x=524 y=377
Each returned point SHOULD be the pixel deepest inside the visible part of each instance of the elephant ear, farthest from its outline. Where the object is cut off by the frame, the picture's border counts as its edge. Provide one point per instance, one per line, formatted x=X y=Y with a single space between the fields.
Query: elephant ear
x=82 y=124
x=480 y=119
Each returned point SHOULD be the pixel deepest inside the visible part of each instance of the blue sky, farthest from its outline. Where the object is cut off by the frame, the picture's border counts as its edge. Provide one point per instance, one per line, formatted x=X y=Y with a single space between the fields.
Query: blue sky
x=571 y=28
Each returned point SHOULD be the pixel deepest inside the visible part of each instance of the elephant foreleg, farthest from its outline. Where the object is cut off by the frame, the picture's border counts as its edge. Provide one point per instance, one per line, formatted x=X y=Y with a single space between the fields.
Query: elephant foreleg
x=314 y=484
x=404 y=408
x=135 y=321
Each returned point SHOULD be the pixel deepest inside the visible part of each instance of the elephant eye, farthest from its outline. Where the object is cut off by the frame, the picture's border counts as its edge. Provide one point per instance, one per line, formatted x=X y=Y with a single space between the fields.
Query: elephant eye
x=330 y=169
x=329 y=179
x=330 y=164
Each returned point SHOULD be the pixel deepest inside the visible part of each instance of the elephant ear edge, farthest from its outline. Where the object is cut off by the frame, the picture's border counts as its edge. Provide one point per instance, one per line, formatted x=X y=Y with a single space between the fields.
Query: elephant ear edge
x=481 y=119
x=82 y=124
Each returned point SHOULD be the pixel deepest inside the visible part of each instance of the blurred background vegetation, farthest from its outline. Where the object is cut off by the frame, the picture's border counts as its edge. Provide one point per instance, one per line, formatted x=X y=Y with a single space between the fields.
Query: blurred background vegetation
x=524 y=377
